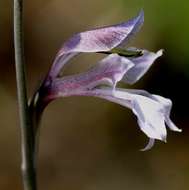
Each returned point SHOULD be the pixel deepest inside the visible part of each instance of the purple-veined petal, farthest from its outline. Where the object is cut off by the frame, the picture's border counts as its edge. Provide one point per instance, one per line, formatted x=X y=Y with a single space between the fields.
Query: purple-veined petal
x=141 y=66
x=97 y=40
x=59 y=62
x=108 y=71
x=104 y=38
x=138 y=22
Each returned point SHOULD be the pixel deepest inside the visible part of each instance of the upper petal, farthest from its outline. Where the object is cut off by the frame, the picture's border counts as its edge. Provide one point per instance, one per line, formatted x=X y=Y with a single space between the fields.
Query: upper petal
x=97 y=40
x=104 y=38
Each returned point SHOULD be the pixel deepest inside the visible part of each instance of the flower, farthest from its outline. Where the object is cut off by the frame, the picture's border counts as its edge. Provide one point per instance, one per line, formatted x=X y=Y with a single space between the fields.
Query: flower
x=152 y=111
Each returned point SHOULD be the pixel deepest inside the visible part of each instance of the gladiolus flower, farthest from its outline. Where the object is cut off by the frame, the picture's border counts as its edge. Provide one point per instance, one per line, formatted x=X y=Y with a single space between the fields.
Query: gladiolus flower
x=126 y=65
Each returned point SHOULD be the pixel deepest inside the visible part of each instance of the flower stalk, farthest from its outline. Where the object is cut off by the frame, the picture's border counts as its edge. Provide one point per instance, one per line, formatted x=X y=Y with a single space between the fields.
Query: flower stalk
x=27 y=134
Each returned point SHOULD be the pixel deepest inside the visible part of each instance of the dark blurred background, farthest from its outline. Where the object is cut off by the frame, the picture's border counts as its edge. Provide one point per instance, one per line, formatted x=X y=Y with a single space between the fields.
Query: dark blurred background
x=88 y=143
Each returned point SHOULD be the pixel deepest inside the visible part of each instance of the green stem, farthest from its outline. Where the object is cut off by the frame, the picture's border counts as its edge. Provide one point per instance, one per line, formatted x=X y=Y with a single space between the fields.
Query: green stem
x=27 y=134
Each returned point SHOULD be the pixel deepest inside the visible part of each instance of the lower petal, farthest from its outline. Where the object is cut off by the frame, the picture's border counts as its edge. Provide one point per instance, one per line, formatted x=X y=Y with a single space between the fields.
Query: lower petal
x=149 y=145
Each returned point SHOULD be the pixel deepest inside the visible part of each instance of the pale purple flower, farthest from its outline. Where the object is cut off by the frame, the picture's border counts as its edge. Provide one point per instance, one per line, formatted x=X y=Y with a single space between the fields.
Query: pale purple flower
x=152 y=111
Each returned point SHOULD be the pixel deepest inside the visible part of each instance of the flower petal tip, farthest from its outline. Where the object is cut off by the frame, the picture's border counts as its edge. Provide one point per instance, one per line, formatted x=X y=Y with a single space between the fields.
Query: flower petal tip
x=141 y=15
x=171 y=125
x=149 y=145
x=163 y=138
x=160 y=52
x=176 y=129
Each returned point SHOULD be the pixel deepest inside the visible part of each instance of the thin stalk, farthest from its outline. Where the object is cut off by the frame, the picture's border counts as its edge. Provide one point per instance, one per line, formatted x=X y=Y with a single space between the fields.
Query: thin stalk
x=27 y=134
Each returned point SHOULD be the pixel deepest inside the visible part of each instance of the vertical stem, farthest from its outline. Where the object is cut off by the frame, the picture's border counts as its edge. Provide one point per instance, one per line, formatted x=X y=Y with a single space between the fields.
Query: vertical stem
x=27 y=134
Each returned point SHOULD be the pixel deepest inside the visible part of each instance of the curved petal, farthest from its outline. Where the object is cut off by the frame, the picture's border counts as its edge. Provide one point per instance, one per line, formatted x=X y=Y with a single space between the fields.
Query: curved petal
x=59 y=62
x=167 y=107
x=149 y=109
x=141 y=66
x=149 y=145
x=139 y=20
x=108 y=71
x=97 y=40
x=149 y=113
x=103 y=39
x=166 y=103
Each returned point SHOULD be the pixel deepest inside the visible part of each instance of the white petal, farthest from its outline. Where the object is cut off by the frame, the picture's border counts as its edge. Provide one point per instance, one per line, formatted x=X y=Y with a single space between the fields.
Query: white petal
x=149 y=113
x=117 y=63
x=171 y=125
x=165 y=102
x=149 y=145
x=142 y=64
